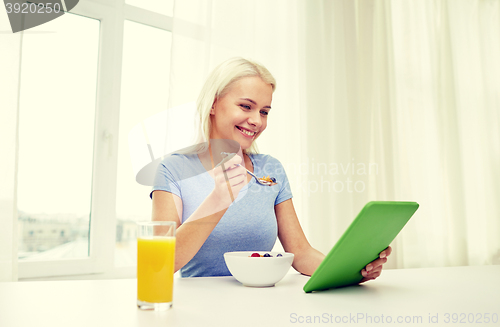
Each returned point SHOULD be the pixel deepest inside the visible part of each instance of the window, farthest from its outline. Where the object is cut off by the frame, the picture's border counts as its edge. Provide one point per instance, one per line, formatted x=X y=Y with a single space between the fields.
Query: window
x=56 y=135
x=75 y=182
x=145 y=77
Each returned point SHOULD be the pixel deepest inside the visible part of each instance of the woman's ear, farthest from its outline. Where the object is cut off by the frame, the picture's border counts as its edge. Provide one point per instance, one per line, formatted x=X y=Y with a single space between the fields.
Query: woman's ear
x=212 y=111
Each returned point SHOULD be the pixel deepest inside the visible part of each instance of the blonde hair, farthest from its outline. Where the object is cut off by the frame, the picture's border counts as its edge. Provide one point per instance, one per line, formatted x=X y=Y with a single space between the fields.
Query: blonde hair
x=218 y=84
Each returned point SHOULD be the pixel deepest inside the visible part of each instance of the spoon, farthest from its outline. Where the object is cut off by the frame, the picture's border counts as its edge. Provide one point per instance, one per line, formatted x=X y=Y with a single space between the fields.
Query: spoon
x=261 y=181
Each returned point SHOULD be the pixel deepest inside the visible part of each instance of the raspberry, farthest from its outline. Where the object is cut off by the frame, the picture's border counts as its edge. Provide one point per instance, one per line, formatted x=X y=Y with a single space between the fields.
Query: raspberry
x=255 y=255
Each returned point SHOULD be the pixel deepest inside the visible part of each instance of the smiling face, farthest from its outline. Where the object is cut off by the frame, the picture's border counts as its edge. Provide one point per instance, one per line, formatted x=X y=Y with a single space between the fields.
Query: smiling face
x=241 y=114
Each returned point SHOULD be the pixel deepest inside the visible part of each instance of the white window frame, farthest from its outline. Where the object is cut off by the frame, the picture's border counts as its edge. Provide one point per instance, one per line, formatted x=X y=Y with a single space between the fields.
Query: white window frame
x=112 y=15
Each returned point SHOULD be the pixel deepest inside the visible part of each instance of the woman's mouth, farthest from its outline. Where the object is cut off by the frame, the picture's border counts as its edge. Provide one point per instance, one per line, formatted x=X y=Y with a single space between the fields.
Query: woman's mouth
x=246 y=133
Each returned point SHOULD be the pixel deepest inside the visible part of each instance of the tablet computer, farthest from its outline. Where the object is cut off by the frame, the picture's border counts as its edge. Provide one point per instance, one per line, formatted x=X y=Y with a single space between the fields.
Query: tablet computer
x=375 y=227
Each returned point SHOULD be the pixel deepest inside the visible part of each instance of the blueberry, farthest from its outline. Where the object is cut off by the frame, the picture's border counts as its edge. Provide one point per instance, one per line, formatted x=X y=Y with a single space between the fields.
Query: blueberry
x=267 y=255
x=279 y=255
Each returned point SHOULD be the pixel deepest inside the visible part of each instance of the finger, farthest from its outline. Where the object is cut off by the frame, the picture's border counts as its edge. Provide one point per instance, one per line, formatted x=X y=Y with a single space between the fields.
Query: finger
x=374 y=273
x=231 y=178
x=236 y=181
x=237 y=172
x=236 y=177
x=375 y=263
x=365 y=280
x=229 y=167
x=368 y=274
x=387 y=252
x=237 y=167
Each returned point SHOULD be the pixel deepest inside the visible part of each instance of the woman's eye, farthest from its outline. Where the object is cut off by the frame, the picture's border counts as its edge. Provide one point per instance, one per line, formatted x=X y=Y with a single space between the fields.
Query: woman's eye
x=244 y=106
x=263 y=112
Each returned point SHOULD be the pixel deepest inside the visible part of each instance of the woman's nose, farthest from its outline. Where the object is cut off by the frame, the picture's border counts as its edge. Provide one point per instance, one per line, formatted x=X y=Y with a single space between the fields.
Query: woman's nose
x=255 y=119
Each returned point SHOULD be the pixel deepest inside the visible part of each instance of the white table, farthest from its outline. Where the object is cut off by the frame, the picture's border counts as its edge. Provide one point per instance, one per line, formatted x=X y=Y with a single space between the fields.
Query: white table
x=404 y=294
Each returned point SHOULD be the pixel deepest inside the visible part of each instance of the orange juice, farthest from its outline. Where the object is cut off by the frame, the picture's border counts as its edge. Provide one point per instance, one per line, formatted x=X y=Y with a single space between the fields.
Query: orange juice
x=155 y=269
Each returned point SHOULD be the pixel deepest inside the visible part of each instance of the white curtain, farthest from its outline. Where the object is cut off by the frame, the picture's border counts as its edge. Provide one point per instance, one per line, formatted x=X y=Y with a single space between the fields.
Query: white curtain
x=10 y=54
x=435 y=106
x=376 y=100
x=412 y=88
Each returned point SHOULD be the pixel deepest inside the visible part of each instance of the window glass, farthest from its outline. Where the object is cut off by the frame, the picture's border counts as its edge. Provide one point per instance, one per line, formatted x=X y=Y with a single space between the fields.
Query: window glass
x=144 y=92
x=56 y=135
x=164 y=7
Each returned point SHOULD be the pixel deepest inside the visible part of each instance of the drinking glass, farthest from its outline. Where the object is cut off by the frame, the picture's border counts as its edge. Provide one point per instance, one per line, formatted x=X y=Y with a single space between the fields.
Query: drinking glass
x=155 y=264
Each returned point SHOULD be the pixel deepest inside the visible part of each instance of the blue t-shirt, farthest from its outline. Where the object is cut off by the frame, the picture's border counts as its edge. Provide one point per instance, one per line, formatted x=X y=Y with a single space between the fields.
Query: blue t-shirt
x=249 y=223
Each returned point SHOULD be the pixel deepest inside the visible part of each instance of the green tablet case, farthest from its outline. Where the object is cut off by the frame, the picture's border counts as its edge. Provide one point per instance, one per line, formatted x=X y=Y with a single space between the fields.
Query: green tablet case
x=375 y=227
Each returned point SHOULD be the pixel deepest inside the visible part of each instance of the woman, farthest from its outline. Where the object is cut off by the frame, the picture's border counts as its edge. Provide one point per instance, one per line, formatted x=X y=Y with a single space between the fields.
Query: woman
x=219 y=208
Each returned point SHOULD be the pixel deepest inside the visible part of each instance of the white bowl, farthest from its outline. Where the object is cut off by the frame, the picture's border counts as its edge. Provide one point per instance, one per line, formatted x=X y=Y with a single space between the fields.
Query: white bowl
x=258 y=271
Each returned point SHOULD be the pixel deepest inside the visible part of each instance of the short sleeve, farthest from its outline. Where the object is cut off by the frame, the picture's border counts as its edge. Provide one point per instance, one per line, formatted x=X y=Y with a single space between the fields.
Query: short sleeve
x=168 y=175
x=285 y=191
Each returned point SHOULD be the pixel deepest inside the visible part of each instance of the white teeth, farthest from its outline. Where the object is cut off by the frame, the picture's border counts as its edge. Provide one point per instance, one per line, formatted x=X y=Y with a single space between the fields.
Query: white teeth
x=248 y=132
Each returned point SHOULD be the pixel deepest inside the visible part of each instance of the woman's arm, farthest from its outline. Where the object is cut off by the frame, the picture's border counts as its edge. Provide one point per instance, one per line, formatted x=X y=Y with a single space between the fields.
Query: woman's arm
x=307 y=259
x=191 y=234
